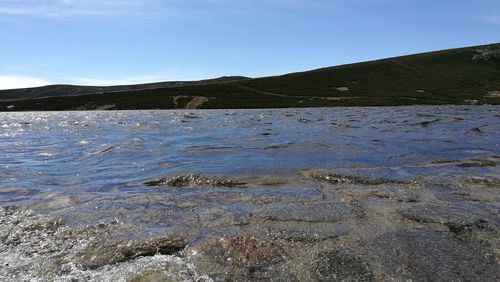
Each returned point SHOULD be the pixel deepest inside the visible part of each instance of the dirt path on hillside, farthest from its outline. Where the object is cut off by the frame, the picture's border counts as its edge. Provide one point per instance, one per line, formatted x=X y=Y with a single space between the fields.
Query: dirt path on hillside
x=196 y=102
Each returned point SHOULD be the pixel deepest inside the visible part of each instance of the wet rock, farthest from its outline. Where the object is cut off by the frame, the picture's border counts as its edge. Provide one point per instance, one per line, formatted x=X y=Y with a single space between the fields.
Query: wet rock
x=99 y=253
x=192 y=180
x=422 y=255
x=341 y=265
x=330 y=211
x=336 y=179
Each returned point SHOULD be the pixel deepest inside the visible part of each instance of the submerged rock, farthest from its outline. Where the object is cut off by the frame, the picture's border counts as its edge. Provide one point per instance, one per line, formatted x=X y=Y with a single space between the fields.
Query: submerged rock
x=250 y=252
x=422 y=255
x=328 y=211
x=305 y=233
x=341 y=265
x=392 y=193
x=191 y=180
x=333 y=178
x=459 y=218
x=239 y=258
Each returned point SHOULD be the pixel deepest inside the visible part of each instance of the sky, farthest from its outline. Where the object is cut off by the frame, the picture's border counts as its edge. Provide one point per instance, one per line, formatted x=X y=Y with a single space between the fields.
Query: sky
x=109 y=42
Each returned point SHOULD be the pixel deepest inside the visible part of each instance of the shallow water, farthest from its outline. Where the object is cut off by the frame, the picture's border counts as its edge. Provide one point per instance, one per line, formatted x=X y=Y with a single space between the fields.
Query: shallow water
x=257 y=178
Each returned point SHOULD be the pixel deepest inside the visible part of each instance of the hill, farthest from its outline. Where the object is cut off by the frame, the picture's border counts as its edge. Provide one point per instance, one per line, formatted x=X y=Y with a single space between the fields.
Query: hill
x=59 y=90
x=456 y=76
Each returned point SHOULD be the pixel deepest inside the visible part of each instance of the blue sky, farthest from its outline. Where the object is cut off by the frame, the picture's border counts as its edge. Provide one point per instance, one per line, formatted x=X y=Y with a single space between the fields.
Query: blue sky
x=105 y=42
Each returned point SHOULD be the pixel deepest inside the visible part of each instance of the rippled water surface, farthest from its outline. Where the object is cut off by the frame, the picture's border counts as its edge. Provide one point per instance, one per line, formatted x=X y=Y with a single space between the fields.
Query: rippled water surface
x=203 y=174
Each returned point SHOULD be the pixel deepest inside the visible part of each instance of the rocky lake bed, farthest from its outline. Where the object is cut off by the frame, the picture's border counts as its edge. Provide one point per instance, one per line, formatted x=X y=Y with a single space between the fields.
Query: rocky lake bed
x=329 y=194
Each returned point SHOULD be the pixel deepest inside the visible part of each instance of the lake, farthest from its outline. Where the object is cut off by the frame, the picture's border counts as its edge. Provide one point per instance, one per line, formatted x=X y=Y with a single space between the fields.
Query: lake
x=292 y=194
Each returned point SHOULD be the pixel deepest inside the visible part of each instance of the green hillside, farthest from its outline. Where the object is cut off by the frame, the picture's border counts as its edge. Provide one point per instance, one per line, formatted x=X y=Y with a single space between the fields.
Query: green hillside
x=457 y=76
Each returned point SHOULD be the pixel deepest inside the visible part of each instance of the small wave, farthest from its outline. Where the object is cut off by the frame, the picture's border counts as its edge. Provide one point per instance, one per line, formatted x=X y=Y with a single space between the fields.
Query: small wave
x=279 y=145
x=266 y=134
x=191 y=116
x=203 y=148
x=304 y=120
x=47 y=154
x=106 y=150
x=478 y=163
x=70 y=122
x=474 y=130
x=427 y=122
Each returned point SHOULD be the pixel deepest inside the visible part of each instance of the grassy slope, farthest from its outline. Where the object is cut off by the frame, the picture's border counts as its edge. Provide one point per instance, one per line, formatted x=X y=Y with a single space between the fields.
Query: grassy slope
x=60 y=90
x=447 y=77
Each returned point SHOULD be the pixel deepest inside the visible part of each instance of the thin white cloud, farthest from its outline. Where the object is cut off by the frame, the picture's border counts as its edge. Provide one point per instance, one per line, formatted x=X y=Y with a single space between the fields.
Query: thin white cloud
x=13 y=82
x=145 y=8
x=71 y=8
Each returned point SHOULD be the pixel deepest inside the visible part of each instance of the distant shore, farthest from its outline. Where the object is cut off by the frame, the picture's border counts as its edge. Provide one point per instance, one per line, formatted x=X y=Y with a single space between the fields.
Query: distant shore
x=465 y=76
